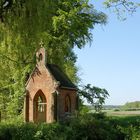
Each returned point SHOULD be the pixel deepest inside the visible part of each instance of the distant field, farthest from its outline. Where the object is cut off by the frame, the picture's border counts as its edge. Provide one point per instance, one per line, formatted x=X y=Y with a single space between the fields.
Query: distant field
x=122 y=113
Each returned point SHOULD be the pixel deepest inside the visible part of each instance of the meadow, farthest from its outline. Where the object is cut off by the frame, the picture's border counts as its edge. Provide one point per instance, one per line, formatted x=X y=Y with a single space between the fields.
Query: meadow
x=121 y=113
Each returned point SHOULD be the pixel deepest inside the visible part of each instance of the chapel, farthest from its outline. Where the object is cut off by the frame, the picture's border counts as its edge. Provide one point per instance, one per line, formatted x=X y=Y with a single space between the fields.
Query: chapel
x=50 y=94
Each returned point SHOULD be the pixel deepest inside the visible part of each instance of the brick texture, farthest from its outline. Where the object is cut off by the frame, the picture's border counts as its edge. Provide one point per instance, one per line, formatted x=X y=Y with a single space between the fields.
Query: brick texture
x=42 y=82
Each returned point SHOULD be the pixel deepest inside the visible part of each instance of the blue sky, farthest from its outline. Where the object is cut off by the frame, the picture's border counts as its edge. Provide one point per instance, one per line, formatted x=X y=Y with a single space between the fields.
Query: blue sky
x=113 y=59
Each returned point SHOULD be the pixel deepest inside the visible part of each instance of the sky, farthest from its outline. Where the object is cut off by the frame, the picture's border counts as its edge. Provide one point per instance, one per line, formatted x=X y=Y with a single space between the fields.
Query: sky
x=112 y=61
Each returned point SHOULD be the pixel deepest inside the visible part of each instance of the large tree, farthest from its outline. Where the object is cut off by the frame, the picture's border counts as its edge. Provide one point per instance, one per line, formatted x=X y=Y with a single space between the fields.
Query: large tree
x=61 y=25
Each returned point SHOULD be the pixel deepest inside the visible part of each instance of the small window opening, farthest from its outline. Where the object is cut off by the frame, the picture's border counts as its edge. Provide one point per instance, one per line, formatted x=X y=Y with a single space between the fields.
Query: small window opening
x=40 y=57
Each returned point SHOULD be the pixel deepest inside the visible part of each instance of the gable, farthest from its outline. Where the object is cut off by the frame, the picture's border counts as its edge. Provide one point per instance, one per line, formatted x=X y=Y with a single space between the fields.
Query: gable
x=41 y=78
x=43 y=69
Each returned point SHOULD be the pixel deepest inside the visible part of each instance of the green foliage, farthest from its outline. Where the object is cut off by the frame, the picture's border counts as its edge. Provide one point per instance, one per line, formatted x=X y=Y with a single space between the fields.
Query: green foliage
x=131 y=105
x=60 y=25
x=128 y=126
x=86 y=127
x=83 y=109
x=94 y=95
x=122 y=7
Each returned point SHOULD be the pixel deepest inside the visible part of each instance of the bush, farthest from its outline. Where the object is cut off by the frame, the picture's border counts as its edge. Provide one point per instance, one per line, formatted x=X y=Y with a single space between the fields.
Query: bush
x=84 y=127
x=116 y=109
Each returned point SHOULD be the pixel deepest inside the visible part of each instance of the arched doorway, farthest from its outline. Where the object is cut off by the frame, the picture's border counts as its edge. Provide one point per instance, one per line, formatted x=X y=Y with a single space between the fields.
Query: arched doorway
x=40 y=107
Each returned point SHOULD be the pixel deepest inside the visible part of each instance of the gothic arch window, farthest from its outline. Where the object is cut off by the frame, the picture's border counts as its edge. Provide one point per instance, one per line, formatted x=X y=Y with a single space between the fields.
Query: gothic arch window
x=40 y=107
x=67 y=104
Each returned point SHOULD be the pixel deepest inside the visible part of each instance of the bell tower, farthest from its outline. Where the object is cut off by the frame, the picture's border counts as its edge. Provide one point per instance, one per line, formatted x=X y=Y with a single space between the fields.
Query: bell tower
x=41 y=56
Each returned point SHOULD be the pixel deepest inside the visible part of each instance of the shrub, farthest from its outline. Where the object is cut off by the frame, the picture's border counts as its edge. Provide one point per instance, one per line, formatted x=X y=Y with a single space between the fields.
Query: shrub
x=116 y=109
x=84 y=127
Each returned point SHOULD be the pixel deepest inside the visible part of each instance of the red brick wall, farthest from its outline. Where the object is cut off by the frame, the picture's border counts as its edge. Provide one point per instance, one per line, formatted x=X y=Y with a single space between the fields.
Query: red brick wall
x=41 y=79
x=62 y=95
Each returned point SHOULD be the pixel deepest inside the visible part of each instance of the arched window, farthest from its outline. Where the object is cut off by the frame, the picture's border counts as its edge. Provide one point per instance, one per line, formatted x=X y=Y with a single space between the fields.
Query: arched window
x=39 y=107
x=40 y=104
x=40 y=56
x=67 y=104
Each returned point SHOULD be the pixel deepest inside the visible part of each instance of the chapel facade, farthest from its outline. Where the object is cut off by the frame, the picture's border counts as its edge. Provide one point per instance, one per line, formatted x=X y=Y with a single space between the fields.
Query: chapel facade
x=50 y=94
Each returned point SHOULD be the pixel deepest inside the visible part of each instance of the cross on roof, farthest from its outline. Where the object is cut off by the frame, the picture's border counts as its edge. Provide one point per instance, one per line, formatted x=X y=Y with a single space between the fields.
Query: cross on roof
x=41 y=44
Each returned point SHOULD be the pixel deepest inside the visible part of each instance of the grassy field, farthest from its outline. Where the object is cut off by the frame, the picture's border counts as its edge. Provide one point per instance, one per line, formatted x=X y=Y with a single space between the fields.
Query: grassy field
x=121 y=113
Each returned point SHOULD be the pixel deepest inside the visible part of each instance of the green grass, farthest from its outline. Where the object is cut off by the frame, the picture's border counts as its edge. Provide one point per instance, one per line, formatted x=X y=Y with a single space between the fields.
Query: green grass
x=121 y=113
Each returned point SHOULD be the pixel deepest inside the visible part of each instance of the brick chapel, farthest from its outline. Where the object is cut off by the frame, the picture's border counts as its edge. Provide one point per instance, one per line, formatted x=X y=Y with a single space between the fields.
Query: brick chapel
x=50 y=96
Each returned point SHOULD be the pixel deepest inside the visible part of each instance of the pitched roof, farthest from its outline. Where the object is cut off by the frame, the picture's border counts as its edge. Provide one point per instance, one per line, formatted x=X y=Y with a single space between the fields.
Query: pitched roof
x=60 y=76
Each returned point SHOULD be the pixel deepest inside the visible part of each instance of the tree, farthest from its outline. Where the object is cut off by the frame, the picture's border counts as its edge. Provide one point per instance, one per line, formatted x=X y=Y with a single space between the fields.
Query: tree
x=122 y=7
x=131 y=105
x=94 y=95
x=119 y=6
x=60 y=25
